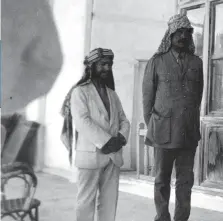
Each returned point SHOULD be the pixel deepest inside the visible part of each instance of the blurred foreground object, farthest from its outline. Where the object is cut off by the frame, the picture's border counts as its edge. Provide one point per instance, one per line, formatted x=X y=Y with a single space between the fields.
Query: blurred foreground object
x=31 y=52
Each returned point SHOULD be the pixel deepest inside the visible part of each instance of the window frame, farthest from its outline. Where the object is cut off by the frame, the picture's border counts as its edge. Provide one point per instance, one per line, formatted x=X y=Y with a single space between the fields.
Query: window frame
x=190 y=3
x=208 y=120
x=207 y=57
x=196 y=6
x=212 y=56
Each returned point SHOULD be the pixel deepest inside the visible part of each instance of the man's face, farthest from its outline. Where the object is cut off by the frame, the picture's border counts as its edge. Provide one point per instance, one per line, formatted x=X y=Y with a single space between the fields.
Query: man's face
x=181 y=38
x=104 y=68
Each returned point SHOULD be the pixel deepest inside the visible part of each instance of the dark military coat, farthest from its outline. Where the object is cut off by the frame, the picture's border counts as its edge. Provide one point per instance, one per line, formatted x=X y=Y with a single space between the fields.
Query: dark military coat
x=171 y=101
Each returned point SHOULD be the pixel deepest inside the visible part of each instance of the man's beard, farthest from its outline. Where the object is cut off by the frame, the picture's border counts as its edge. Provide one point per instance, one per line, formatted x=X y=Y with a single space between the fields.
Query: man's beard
x=103 y=76
x=102 y=79
x=181 y=48
x=185 y=43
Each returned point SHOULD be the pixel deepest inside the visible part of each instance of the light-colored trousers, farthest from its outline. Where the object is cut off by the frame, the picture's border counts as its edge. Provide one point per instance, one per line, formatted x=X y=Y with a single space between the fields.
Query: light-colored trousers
x=105 y=182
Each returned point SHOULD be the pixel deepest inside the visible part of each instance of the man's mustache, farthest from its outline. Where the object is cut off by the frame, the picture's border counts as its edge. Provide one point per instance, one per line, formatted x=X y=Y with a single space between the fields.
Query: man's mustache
x=108 y=73
x=183 y=40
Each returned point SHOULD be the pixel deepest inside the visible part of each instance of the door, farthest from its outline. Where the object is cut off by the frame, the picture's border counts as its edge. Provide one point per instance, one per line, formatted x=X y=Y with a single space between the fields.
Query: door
x=207 y=19
x=213 y=122
x=144 y=155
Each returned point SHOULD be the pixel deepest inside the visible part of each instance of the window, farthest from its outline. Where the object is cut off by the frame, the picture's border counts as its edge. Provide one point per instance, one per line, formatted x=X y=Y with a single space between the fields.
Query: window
x=188 y=1
x=216 y=58
x=206 y=18
x=196 y=17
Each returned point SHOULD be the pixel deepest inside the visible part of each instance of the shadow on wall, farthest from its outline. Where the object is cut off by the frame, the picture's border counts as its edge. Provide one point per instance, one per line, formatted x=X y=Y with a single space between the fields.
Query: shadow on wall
x=31 y=62
x=31 y=52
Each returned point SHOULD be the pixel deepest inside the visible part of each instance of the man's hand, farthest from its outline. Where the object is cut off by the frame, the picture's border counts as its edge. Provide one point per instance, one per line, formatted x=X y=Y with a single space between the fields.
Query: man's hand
x=114 y=144
x=122 y=139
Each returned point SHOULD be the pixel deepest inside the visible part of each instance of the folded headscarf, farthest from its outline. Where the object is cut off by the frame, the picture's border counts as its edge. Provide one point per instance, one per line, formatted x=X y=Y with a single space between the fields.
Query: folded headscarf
x=176 y=22
x=97 y=54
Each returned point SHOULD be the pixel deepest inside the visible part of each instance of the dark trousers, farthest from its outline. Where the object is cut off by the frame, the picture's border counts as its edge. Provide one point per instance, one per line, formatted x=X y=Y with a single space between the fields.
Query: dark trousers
x=184 y=163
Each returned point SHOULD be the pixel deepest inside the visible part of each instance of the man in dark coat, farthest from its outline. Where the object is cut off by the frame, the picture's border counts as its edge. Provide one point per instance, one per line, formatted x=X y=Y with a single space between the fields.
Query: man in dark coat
x=172 y=93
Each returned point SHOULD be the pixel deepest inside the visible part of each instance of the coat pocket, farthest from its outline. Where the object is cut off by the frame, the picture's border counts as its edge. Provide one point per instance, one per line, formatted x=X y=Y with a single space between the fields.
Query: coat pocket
x=161 y=127
x=84 y=145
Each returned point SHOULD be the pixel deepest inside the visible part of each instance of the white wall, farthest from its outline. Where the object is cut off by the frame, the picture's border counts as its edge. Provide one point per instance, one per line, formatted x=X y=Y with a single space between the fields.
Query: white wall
x=69 y=17
x=70 y=20
x=133 y=30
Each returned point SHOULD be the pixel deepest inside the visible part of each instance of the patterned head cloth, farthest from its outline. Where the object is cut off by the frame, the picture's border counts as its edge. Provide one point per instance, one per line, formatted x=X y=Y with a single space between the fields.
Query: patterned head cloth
x=97 y=54
x=176 y=22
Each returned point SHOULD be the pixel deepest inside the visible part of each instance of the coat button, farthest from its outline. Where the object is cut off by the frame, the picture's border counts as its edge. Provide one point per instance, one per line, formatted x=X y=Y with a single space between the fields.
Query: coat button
x=183 y=85
x=185 y=108
x=185 y=96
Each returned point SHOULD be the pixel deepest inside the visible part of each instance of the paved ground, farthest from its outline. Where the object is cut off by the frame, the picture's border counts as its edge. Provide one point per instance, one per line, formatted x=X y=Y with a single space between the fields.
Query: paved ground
x=57 y=197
